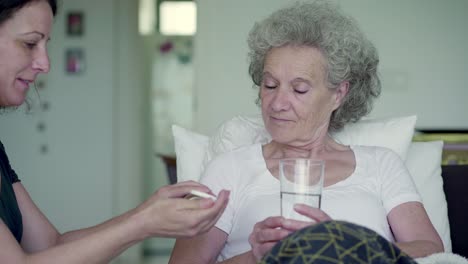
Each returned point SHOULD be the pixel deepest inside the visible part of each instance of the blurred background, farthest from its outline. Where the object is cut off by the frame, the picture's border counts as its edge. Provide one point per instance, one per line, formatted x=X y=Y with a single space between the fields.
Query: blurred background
x=88 y=144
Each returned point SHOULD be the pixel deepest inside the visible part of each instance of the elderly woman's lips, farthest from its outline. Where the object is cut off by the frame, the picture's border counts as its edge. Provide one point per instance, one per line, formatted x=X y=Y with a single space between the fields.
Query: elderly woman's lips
x=280 y=119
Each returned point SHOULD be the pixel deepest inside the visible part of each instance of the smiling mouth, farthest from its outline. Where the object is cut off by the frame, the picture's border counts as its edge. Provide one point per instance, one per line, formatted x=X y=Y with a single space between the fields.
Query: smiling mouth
x=25 y=81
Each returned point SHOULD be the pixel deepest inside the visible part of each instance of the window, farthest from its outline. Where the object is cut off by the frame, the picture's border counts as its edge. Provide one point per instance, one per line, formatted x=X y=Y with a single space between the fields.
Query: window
x=177 y=18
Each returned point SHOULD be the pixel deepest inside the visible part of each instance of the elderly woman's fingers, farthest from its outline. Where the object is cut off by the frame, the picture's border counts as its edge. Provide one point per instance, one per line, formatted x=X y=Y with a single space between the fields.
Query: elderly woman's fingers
x=294 y=225
x=268 y=235
x=270 y=222
x=265 y=235
x=270 y=229
x=262 y=249
x=313 y=213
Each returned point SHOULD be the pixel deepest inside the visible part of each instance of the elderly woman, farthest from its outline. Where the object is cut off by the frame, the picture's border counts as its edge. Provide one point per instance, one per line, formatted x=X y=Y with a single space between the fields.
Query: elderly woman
x=316 y=72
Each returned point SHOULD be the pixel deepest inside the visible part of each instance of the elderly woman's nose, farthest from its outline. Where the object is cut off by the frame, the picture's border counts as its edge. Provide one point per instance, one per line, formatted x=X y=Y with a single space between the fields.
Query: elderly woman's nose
x=281 y=100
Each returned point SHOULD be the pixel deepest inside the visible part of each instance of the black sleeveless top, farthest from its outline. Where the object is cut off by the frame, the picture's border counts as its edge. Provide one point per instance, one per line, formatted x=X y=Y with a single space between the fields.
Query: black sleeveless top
x=9 y=211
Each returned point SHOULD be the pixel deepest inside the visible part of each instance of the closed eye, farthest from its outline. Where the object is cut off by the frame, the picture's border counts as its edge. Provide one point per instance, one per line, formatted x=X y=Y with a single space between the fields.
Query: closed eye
x=300 y=92
x=30 y=45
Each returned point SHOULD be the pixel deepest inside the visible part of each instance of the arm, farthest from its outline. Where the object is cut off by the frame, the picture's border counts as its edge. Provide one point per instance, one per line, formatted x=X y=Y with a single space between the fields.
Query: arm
x=411 y=227
x=410 y=224
x=99 y=247
x=38 y=232
x=245 y=258
x=201 y=249
x=205 y=248
x=105 y=241
x=167 y=216
x=413 y=230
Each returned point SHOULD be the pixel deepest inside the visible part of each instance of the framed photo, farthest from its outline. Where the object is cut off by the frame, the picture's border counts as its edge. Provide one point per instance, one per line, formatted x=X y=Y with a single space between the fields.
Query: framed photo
x=75 y=23
x=74 y=61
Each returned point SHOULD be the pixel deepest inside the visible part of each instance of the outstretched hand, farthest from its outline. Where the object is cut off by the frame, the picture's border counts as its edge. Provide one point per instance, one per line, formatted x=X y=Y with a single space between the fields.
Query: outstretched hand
x=167 y=214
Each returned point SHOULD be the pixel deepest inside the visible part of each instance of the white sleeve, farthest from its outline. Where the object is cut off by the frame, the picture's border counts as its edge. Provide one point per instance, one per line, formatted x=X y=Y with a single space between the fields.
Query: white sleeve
x=219 y=175
x=397 y=186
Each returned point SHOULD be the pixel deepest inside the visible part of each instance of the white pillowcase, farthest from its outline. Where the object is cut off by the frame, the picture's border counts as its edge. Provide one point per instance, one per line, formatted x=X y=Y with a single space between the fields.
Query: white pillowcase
x=190 y=149
x=424 y=163
x=194 y=150
x=423 y=159
x=236 y=132
x=392 y=133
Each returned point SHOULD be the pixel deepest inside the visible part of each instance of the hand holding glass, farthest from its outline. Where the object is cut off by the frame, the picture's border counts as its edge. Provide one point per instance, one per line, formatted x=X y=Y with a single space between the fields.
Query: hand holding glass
x=301 y=181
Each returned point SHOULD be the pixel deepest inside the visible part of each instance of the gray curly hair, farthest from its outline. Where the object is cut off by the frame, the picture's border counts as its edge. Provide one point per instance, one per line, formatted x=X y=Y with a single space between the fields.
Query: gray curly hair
x=349 y=55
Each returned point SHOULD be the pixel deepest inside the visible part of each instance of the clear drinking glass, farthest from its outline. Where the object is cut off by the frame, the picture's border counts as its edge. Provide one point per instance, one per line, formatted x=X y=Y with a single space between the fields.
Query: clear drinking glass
x=301 y=181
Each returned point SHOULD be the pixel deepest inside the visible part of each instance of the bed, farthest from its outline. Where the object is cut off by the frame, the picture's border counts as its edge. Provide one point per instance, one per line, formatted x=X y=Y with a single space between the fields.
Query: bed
x=442 y=188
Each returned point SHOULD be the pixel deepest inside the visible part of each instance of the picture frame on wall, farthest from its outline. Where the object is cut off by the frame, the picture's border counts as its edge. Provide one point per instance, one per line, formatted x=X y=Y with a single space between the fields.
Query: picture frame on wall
x=75 y=24
x=74 y=61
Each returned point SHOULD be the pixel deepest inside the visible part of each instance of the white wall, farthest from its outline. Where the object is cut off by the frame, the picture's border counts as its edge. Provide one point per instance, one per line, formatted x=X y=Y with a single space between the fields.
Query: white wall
x=421 y=44
x=128 y=97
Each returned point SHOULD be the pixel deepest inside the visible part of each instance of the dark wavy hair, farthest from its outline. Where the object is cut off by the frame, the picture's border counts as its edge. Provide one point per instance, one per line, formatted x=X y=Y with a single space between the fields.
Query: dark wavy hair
x=9 y=7
x=349 y=55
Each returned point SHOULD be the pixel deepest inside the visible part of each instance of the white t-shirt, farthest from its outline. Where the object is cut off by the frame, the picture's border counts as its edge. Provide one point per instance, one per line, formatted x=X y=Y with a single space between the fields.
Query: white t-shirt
x=379 y=182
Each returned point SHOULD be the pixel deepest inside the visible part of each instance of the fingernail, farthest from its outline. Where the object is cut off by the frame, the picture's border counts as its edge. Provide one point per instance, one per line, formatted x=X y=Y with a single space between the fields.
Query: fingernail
x=206 y=202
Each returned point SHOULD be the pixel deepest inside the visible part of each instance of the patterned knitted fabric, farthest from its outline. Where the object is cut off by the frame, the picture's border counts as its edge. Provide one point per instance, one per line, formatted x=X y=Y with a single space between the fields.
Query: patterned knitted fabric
x=335 y=242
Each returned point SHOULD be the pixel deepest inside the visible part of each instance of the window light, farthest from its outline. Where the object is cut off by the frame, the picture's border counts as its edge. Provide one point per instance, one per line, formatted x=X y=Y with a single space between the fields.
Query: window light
x=177 y=18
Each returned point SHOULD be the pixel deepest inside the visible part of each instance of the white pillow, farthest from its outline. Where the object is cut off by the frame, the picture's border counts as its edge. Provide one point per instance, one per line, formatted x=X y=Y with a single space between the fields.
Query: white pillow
x=424 y=163
x=423 y=160
x=393 y=133
x=190 y=149
x=234 y=133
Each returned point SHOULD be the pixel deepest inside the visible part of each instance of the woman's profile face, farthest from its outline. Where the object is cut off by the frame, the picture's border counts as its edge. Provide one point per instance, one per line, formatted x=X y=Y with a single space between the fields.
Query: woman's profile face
x=296 y=103
x=23 y=51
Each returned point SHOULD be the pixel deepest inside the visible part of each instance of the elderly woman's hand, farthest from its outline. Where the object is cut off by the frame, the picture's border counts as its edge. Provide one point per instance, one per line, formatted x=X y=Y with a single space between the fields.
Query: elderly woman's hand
x=266 y=234
x=315 y=214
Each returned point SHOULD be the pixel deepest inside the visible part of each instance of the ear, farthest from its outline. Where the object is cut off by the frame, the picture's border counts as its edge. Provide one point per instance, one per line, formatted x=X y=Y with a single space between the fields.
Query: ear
x=340 y=94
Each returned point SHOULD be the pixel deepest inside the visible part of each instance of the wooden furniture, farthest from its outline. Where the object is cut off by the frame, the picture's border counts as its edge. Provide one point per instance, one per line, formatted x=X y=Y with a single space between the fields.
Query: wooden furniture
x=171 y=167
x=455 y=187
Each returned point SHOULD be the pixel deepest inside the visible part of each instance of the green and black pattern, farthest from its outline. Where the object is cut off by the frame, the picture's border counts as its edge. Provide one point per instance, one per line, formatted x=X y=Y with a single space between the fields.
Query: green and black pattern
x=335 y=242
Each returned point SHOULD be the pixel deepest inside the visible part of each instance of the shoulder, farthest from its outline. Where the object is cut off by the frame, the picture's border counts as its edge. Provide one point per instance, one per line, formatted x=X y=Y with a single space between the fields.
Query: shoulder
x=5 y=166
x=379 y=160
x=239 y=155
x=375 y=152
x=238 y=162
